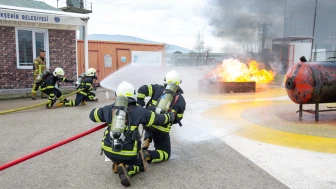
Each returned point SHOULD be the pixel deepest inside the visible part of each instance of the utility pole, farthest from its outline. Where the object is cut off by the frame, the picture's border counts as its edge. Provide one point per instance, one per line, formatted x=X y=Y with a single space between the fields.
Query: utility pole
x=311 y=52
x=285 y=14
x=263 y=31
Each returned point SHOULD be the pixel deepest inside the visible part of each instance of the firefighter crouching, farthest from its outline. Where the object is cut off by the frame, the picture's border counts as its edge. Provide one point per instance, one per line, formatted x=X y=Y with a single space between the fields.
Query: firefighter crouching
x=164 y=98
x=85 y=82
x=47 y=80
x=122 y=142
x=38 y=67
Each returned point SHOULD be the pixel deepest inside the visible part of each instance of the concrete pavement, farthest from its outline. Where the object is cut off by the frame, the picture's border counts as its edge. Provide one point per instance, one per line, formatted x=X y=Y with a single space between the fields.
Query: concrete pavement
x=207 y=163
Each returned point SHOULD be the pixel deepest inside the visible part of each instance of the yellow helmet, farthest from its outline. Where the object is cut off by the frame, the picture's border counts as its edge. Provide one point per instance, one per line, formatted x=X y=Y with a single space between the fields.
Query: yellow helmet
x=91 y=72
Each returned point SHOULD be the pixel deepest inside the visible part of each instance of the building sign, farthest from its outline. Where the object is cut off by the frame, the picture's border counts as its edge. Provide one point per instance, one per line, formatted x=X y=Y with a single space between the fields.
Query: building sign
x=39 y=18
x=123 y=59
x=146 y=58
x=37 y=25
x=107 y=61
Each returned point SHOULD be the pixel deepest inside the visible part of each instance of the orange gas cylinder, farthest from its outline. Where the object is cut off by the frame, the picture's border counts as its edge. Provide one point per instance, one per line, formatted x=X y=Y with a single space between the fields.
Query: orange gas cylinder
x=311 y=82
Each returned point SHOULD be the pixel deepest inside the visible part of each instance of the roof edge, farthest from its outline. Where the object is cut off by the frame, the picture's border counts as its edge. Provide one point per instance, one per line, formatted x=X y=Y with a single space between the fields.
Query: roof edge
x=60 y=13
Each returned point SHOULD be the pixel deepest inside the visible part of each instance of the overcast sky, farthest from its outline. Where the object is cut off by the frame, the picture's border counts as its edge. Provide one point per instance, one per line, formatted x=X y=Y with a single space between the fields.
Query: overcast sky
x=170 y=21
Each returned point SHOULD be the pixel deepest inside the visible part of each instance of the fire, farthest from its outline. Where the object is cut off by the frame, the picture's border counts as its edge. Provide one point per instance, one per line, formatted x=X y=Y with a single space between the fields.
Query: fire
x=232 y=70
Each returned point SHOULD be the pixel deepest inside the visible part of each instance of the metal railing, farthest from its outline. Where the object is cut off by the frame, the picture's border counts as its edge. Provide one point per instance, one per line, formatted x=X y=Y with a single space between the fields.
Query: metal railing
x=323 y=56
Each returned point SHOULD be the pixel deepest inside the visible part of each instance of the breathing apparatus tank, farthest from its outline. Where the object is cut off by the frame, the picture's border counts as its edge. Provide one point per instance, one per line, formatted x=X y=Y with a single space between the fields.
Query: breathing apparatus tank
x=118 y=125
x=40 y=77
x=79 y=81
x=166 y=98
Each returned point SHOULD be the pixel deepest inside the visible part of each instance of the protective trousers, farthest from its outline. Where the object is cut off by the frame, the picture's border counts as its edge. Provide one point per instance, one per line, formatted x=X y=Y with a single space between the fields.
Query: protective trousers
x=161 y=144
x=53 y=95
x=133 y=166
x=35 y=88
x=80 y=98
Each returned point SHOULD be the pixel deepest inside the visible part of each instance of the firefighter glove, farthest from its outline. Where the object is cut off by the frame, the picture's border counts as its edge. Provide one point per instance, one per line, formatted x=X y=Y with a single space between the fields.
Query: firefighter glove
x=171 y=117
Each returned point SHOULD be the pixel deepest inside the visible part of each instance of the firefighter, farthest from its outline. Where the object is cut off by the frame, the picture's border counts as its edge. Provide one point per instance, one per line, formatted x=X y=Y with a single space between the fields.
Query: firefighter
x=38 y=67
x=160 y=133
x=122 y=142
x=85 y=82
x=47 y=80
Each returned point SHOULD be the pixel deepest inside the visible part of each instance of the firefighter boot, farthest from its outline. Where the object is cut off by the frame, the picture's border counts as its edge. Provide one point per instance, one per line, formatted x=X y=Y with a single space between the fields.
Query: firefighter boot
x=83 y=103
x=60 y=104
x=146 y=143
x=123 y=175
x=143 y=161
x=33 y=96
x=114 y=168
x=147 y=156
x=94 y=99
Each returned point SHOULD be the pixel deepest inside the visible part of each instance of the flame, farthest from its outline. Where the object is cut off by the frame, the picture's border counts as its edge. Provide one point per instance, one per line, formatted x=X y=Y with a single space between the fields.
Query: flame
x=232 y=70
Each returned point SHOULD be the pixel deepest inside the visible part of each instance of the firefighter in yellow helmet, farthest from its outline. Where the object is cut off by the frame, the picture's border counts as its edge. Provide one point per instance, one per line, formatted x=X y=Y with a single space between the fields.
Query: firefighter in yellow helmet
x=86 y=83
x=38 y=67
x=121 y=142
x=47 y=81
x=171 y=93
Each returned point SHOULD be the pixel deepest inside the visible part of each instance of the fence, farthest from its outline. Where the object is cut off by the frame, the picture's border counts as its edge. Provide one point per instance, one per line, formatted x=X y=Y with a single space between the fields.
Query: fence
x=323 y=56
x=200 y=59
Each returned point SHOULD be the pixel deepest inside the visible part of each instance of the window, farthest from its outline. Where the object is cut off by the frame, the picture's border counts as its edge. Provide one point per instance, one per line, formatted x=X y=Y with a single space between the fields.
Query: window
x=28 y=45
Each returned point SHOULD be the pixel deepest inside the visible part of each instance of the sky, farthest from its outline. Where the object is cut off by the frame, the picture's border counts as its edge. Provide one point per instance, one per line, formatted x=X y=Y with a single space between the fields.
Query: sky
x=171 y=21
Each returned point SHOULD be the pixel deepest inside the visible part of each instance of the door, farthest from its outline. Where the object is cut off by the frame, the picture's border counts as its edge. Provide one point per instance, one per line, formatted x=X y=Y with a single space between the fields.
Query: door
x=123 y=57
x=93 y=63
x=291 y=55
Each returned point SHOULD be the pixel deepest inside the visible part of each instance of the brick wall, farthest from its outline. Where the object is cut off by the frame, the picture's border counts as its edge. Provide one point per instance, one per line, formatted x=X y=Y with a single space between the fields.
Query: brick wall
x=62 y=49
x=62 y=53
x=10 y=76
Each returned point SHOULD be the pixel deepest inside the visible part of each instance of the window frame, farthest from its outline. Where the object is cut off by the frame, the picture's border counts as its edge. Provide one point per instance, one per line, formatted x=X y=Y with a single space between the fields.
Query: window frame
x=34 y=30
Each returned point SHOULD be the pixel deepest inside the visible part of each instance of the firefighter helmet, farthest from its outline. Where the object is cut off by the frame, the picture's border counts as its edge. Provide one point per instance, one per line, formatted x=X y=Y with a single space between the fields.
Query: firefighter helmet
x=91 y=72
x=58 y=72
x=173 y=76
x=125 y=89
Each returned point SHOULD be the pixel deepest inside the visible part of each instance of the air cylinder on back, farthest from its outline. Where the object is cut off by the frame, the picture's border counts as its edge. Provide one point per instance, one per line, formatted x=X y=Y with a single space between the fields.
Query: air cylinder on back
x=311 y=82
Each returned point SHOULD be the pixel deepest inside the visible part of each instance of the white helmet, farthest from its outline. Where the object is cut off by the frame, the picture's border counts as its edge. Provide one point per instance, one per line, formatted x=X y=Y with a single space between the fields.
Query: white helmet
x=58 y=72
x=173 y=76
x=125 y=89
x=91 y=72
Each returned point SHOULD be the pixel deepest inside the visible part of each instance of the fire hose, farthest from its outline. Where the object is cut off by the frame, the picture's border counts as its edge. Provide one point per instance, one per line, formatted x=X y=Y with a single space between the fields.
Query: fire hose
x=37 y=105
x=24 y=158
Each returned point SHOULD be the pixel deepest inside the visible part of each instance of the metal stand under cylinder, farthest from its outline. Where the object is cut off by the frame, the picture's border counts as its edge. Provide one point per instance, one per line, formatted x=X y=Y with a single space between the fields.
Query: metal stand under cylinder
x=118 y=125
x=166 y=98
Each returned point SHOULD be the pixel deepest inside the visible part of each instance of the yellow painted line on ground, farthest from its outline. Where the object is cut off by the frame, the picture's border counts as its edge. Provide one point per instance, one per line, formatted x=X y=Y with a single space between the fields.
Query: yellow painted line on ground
x=268 y=135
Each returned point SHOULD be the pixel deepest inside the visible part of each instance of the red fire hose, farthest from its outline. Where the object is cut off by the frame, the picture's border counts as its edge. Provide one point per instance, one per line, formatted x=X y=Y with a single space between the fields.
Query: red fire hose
x=24 y=158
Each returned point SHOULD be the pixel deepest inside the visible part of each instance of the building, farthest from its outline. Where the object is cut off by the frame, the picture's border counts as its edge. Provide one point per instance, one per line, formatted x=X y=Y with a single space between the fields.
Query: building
x=109 y=56
x=289 y=50
x=27 y=26
x=299 y=21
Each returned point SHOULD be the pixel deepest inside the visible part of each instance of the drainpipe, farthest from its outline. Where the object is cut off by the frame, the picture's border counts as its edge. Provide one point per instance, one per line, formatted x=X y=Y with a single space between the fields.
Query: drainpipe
x=86 y=45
